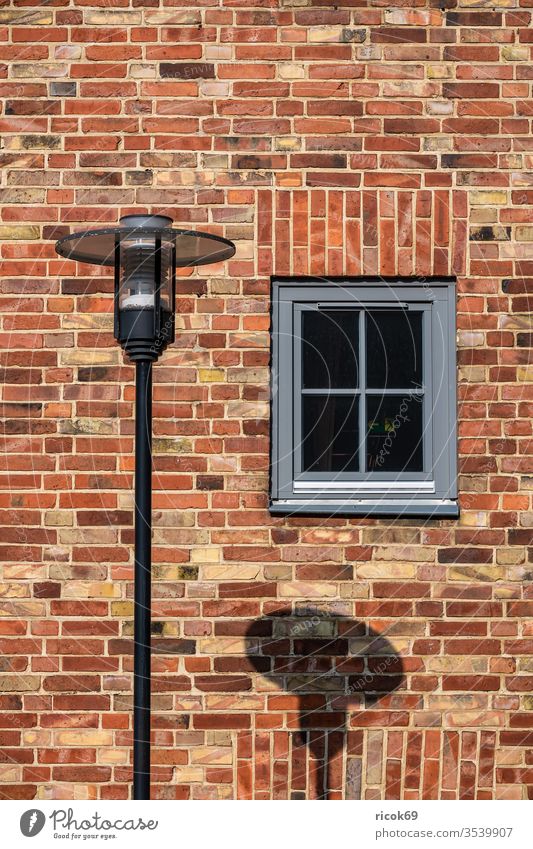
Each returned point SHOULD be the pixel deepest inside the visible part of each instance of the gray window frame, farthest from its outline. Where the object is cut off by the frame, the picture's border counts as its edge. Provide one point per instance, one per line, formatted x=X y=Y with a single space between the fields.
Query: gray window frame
x=432 y=492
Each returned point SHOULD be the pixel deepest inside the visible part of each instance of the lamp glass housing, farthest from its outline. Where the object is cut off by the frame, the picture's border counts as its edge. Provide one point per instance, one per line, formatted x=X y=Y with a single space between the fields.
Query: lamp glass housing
x=144 y=285
x=138 y=285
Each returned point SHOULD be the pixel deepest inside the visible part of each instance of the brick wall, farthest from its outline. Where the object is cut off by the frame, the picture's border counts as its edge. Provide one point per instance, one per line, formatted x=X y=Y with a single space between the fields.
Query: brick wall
x=364 y=137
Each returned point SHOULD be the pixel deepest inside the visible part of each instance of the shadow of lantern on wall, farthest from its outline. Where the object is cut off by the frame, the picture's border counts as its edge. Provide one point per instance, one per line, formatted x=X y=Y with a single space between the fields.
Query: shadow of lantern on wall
x=331 y=663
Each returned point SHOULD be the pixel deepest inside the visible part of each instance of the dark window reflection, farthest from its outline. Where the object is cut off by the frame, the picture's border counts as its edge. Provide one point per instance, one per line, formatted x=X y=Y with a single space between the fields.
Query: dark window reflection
x=330 y=349
x=394 y=434
x=330 y=433
x=393 y=349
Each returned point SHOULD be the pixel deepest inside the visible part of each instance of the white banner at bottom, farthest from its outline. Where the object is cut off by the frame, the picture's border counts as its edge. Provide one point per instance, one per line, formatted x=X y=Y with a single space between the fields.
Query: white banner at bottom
x=424 y=824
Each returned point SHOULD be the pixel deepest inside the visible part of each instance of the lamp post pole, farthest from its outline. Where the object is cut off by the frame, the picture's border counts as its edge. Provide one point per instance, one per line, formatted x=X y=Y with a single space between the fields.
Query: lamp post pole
x=143 y=579
x=144 y=250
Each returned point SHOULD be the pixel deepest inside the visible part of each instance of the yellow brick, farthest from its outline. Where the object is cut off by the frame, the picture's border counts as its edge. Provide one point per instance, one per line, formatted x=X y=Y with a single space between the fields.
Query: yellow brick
x=525 y=373
x=82 y=357
x=457 y=701
x=469 y=719
x=218 y=738
x=476 y=573
x=418 y=553
x=140 y=71
x=248 y=375
x=86 y=321
x=11 y=232
x=88 y=536
x=470 y=339
x=122 y=608
x=474 y=519
x=230 y=573
x=36 y=738
x=193 y=322
x=224 y=287
x=472 y=374
x=22 y=609
x=210 y=375
x=247 y=410
x=388 y=571
x=113 y=756
x=10 y=773
x=319 y=35
x=291 y=72
x=82 y=589
x=206 y=555
x=111 y=17
x=311 y=589
x=82 y=426
x=188 y=774
x=354 y=589
x=19 y=572
x=211 y=755
x=390 y=536
x=277 y=572
x=66 y=791
x=289 y=143
x=414 y=17
x=514 y=52
x=175 y=573
x=25 y=16
x=457 y=664
x=230 y=702
x=58 y=518
x=226 y=645
x=335 y=35
x=176 y=17
x=14 y=590
x=440 y=71
x=83 y=737
x=438 y=143
x=488 y=197
x=44 y=69
x=515 y=322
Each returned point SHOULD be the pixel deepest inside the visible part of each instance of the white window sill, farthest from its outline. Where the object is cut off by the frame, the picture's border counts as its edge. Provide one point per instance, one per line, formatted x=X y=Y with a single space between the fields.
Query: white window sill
x=434 y=508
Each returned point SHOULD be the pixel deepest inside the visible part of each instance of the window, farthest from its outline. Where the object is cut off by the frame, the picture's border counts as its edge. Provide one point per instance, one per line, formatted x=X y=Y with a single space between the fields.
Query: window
x=364 y=397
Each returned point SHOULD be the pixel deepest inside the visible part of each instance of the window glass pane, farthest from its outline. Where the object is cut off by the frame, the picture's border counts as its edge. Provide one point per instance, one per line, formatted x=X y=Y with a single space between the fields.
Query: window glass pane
x=393 y=349
x=394 y=434
x=330 y=433
x=330 y=349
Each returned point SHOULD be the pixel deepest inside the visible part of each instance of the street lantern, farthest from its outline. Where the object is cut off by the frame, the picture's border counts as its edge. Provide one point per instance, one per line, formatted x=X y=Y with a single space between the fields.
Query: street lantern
x=145 y=251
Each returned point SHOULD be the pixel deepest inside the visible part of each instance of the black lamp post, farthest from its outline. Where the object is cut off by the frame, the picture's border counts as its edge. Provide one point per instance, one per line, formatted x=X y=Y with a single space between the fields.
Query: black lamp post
x=145 y=251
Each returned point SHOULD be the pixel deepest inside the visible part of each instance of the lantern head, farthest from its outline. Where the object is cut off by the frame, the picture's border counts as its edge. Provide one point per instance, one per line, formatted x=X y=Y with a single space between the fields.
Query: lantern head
x=145 y=250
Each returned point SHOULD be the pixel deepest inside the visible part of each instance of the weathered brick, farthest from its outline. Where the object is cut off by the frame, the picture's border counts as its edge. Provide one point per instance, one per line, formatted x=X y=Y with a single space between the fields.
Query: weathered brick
x=187 y=70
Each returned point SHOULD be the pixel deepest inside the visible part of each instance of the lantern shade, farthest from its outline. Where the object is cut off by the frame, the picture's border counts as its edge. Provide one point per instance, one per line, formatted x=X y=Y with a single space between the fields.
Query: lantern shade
x=192 y=248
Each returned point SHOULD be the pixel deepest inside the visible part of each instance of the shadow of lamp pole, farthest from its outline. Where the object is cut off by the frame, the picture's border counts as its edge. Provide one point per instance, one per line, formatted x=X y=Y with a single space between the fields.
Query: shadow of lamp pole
x=312 y=652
